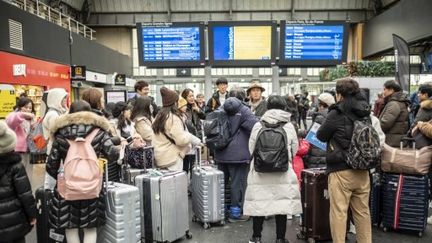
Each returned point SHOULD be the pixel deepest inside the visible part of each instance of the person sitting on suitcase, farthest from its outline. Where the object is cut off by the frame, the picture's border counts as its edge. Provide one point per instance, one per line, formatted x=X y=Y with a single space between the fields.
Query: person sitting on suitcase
x=272 y=186
x=76 y=170
x=17 y=207
x=348 y=188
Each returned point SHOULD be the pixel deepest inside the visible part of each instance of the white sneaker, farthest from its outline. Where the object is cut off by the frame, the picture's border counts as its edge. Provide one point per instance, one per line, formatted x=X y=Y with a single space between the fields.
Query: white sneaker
x=289 y=216
x=429 y=220
x=352 y=228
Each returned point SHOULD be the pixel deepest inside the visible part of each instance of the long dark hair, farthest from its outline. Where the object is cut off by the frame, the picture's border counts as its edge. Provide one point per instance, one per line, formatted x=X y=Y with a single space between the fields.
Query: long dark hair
x=142 y=108
x=23 y=101
x=161 y=118
x=122 y=121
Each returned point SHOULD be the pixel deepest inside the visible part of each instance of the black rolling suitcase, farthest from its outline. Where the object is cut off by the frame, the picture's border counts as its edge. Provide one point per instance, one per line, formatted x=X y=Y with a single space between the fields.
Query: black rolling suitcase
x=405 y=202
x=45 y=234
x=375 y=198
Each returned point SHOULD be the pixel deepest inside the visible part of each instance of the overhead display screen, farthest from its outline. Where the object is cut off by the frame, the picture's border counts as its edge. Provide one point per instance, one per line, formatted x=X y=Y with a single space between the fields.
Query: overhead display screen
x=307 y=43
x=242 y=43
x=171 y=44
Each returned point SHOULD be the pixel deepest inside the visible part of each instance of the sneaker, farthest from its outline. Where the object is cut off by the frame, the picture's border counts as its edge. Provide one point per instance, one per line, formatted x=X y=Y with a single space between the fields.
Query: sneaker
x=352 y=229
x=289 y=216
x=429 y=220
x=255 y=240
x=242 y=218
x=282 y=241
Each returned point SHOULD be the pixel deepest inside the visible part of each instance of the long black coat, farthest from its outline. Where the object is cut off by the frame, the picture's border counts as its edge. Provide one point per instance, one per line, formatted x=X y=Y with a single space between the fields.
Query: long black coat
x=81 y=213
x=17 y=204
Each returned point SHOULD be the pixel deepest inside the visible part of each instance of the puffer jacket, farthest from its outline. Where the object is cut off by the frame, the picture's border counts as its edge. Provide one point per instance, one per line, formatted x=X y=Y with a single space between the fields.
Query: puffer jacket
x=425 y=112
x=273 y=193
x=17 y=204
x=394 y=118
x=242 y=121
x=316 y=157
x=337 y=129
x=81 y=213
x=193 y=121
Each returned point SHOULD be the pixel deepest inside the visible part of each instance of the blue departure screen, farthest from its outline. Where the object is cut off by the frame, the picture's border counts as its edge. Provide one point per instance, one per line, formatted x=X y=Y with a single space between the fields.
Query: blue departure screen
x=166 y=43
x=314 y=42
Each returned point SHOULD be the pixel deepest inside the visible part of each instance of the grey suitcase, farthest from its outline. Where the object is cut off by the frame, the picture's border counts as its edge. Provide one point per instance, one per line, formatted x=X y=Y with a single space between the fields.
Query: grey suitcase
x=128 y=174
x=208 y=193
x=164 y=204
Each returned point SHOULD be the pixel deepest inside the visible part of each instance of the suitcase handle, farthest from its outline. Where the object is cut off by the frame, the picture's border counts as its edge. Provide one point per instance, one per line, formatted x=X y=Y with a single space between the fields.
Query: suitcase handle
x=408 y=139
x=198 y=156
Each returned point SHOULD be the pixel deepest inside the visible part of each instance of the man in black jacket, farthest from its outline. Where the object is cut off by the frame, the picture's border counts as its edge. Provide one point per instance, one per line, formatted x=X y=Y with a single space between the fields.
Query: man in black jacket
x=348 y=188
x=142 y=89
x=219 y=97
x=17 y=204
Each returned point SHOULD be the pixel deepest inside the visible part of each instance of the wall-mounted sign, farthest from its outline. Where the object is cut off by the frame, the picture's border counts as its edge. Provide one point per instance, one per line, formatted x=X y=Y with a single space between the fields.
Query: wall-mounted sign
x=7 y=99
x=19 y=70
x=115 y=96
x=120 y=79
x=78 y=72
x=184 y=72
x=96 y=77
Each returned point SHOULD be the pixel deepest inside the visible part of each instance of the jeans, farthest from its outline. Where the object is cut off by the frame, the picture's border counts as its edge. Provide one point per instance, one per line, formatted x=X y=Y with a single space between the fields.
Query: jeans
x=281 y=222
x=237 y=173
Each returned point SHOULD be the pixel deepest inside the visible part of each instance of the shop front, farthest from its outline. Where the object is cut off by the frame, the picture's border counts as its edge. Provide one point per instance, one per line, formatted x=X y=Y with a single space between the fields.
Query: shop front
x=29 y=77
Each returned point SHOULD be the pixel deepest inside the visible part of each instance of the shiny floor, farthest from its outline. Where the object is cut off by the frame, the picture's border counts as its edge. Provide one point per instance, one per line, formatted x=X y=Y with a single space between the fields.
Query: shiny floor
x=241 y=232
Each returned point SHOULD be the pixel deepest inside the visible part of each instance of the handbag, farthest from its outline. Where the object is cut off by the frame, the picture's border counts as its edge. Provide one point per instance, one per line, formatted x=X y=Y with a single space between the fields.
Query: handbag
x=407 y=161
x=140 y=157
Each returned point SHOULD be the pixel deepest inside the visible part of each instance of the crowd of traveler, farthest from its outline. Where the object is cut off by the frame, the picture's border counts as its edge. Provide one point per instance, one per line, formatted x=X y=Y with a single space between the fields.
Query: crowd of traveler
x=176 y=128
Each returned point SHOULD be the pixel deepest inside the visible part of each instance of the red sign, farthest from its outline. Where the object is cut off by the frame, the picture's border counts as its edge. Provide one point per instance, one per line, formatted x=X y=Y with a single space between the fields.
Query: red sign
x=16 y=69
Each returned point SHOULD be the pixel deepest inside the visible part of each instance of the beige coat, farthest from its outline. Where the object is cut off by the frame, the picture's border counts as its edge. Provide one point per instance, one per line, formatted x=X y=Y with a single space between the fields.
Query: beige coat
x=166 y=153
x=143 y=127
x=273 y=193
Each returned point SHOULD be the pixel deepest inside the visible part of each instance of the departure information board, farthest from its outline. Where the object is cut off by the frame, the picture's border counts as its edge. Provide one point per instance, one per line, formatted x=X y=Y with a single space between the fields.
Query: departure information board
x=319 y=41
x=237 y=43
x=171 y=43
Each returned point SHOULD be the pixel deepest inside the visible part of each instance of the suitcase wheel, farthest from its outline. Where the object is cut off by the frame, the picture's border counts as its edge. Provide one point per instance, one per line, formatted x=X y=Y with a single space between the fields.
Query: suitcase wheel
x=420 y=234
x=206 y=226
x=188 y=235
x=385 y=229
x=222 y=223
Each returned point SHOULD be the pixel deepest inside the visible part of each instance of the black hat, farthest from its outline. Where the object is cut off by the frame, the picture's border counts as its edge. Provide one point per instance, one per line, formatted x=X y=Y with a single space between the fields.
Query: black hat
x=221 y=80
x=276 y=102
x=119 y=108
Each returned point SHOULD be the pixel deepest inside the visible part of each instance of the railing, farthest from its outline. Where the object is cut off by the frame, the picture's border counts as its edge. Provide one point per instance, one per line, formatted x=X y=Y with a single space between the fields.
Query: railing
x=46 y=12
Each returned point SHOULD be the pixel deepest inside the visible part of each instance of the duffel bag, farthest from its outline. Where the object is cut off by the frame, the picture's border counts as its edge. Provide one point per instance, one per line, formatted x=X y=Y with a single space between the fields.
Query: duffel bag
x=406 y=160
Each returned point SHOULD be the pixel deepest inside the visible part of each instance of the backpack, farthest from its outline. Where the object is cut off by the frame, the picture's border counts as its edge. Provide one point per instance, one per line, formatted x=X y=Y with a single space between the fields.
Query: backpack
x=80 y=175
x=270 y=153
x=364 y=152
x=217 y=130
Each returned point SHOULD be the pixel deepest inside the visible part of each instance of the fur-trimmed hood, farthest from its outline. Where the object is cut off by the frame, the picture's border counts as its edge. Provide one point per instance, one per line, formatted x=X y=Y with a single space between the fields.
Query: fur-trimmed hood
x=83 y=117
x=427 y=105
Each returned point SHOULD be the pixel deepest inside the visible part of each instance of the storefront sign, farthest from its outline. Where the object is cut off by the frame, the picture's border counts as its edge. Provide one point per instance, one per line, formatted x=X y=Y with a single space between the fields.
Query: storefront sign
x=19 y=69
x=120 y=79
x=96 y=77
x=7 y=99
x=78 y=73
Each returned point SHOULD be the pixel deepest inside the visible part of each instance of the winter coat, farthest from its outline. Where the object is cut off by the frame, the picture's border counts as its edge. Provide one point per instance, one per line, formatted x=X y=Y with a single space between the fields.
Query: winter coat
x=298 y=164
x=425 y=112
x=55 y=109
x=260 y=109
x=303 y=107
x=143 y=126
x=15 y=121
x=242 y=121
x=167 y=153
x=378 y=106
x=214 y=102
x=273 y=193
x=337 y=130
x=394 y=118
x=316 y=157
x=193 y=121
x=81 y=213
x=17 y=204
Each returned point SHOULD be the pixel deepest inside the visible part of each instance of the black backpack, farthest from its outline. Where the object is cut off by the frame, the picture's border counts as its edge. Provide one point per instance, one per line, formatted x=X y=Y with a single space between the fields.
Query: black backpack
x=364 y=152
x=270 y=153
x=217 y=130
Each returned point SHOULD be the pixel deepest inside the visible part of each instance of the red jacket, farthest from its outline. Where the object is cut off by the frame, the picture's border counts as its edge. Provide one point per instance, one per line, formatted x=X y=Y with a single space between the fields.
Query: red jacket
x=298 y=164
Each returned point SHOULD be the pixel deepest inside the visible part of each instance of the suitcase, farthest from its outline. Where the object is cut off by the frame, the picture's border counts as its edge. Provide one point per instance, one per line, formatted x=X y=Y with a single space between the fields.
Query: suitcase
x=164 y=204
x=375 y=199
x=123 y=214
x=43 y=231
x=405 y=202
x=316 y=206
x=208 y=193
x=128 y=174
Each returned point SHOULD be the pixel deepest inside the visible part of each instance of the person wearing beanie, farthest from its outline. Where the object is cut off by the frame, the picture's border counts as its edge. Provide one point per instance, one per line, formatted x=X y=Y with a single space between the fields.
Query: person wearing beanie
x=219 y=97
x=17 y=205
x=278 y=193
x=171 y=140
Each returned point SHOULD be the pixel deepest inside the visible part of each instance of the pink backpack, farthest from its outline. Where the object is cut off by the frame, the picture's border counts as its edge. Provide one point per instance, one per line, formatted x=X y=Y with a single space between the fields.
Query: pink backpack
x=80 y=177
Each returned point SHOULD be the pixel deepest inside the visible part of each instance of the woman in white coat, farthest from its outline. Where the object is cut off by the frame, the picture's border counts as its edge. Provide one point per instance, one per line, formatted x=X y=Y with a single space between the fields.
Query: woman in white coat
x=275 y=193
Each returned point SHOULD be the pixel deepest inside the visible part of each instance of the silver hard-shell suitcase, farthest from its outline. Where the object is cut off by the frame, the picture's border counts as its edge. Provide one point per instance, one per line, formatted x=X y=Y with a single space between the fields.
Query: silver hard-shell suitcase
x=123 y=214
x=208 y=193
x=164 y=204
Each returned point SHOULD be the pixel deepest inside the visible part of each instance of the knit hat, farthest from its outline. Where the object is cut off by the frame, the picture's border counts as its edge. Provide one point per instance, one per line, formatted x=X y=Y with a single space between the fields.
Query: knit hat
x=181 y=102
x=326 y=98
x=276 y=102
x=119 y=108
x=7 y=138
x=169 y=97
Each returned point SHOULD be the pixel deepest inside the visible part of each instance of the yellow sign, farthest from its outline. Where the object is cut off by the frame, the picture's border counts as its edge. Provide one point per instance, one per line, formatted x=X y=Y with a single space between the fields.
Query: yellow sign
x=252 y=42
x=7 y=99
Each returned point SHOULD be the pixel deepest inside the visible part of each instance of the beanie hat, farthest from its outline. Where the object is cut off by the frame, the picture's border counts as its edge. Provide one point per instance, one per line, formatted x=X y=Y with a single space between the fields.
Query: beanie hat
x=181 y=102
x=119 y=108
x=221 y=80
x=276 y=102
x=7 y=138
x=169 y=97
x=326 y=98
